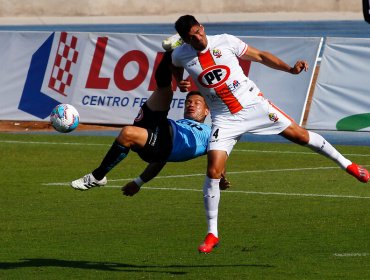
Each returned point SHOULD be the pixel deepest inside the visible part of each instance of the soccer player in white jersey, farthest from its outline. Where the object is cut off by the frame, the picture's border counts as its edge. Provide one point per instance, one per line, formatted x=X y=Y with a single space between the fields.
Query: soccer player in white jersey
x=237 y=106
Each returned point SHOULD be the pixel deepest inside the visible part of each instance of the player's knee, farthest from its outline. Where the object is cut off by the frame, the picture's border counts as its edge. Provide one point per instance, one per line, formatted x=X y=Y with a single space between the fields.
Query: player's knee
x=297 y=134
x=126 y=136
x=302 y=137
x=214 y=173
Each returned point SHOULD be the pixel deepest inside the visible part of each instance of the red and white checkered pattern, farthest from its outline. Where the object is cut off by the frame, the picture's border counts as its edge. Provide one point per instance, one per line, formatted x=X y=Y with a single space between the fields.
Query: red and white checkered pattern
x=66 y=56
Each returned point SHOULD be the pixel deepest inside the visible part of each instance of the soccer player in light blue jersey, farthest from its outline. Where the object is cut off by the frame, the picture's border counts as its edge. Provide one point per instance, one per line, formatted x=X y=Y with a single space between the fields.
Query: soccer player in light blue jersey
x=155 y=138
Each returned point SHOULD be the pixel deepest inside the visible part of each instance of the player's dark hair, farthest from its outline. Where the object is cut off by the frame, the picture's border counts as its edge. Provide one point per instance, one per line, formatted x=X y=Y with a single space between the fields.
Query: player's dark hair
x=190 y=93
x=184 y=24
x=193 y=92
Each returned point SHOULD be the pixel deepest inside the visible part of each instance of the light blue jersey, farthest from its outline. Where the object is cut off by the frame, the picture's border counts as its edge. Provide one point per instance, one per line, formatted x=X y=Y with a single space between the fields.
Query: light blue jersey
x=190 y=139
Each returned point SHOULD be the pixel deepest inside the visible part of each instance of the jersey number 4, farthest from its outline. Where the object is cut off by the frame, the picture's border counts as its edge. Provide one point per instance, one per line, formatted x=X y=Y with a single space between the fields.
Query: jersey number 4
x=215 y=134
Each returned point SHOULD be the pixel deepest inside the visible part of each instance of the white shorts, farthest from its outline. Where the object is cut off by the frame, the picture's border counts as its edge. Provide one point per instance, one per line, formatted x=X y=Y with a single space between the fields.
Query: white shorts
x=260 y=117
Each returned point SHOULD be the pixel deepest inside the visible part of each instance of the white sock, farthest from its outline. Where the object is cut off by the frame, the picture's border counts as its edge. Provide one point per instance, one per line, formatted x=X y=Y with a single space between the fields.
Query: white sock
x=211 y=195
x=318 y=144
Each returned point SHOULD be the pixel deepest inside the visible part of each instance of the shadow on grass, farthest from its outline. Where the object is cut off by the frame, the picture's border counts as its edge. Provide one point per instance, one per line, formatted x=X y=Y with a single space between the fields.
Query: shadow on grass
x=108 y=266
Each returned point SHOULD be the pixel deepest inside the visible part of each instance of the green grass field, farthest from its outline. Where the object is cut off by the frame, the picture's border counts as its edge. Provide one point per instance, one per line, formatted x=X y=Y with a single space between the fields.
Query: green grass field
x=290 y=214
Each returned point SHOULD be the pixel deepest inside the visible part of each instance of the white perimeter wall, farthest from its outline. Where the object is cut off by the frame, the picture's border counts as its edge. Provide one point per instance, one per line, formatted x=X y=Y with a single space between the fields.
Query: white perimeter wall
x=32 y=8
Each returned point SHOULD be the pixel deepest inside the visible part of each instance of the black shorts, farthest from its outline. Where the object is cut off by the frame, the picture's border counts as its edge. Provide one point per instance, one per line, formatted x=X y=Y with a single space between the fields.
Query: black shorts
x=159 y=143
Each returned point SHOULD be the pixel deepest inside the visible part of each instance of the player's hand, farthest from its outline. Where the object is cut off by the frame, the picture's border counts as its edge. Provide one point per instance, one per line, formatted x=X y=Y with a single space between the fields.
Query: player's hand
x=224 y=183
x=130 y=189
x=184 y=85
x=299 y=66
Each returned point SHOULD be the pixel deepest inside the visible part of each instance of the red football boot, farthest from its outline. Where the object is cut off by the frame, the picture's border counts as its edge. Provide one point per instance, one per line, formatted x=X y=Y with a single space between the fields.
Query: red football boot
x=358 y=172
x=209 y=243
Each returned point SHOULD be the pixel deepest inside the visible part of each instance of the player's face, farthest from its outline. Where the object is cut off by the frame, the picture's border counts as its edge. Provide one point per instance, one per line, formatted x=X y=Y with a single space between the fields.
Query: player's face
x=195 y=108
x=197 y=38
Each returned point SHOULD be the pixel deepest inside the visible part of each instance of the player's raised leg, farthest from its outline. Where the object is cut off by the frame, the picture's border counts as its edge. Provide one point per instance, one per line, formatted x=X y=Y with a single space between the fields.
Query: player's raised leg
x=320 y=145
x=160 y=99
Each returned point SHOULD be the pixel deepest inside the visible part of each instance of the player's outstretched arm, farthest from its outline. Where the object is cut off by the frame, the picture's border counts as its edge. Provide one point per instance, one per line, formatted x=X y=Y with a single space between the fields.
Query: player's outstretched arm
x=273 y=61
x=151 y=171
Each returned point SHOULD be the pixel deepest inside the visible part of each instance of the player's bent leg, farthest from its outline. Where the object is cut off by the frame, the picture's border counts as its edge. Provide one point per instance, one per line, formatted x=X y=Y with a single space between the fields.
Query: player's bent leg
x=320 y=145
x=296 y=134
x=87 y=182
x=161 y=99
x=132 y=137
x=114 y=156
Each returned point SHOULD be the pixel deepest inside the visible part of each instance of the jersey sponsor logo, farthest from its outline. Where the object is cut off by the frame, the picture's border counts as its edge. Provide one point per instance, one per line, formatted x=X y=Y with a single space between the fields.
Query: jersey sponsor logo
x=273 y=117
x=234 y=85
x=153 y=137
x=217 y=53
x=214 y=76
x=140 y=115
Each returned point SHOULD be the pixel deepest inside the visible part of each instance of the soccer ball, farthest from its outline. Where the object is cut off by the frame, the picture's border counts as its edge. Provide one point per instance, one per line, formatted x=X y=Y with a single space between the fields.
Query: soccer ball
x=64 y=118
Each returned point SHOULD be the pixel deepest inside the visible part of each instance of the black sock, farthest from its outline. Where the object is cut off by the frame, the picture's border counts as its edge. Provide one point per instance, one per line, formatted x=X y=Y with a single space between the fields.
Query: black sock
x=163 y=74
x=116 y=153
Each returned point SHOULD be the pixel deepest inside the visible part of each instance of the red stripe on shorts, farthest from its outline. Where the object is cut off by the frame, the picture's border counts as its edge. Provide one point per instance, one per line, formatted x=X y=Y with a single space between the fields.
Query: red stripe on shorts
x=281 y=111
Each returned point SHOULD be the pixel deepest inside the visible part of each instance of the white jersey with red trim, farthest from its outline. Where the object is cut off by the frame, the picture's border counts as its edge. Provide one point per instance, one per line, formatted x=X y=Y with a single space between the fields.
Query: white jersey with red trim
x=217 y=73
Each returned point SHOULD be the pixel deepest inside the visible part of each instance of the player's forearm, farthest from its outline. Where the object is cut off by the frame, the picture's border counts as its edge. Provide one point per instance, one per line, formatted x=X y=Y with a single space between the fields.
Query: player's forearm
x=267 y=59
x=151 y=171
x=274 y=62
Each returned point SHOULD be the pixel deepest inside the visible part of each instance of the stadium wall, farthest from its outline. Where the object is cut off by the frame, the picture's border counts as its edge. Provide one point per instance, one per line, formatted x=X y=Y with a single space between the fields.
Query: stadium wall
x=12 y=8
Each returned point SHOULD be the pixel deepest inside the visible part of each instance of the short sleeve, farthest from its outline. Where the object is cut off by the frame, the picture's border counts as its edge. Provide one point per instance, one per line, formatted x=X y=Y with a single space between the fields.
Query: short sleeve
x=175 y=58
x=237 y=45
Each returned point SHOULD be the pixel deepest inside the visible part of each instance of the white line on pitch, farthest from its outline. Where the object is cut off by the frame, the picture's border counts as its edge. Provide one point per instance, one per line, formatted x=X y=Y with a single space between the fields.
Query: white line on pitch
x=350 y=254
x=238 y=172
x=108 y=145
x=52 y=143
x=257 y=193
x=203 y=174
x=293 y=152
x=229 y=191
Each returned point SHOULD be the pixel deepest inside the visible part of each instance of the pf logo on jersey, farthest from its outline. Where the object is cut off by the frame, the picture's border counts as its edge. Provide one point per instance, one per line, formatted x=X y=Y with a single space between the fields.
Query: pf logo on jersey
x=214 y=76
